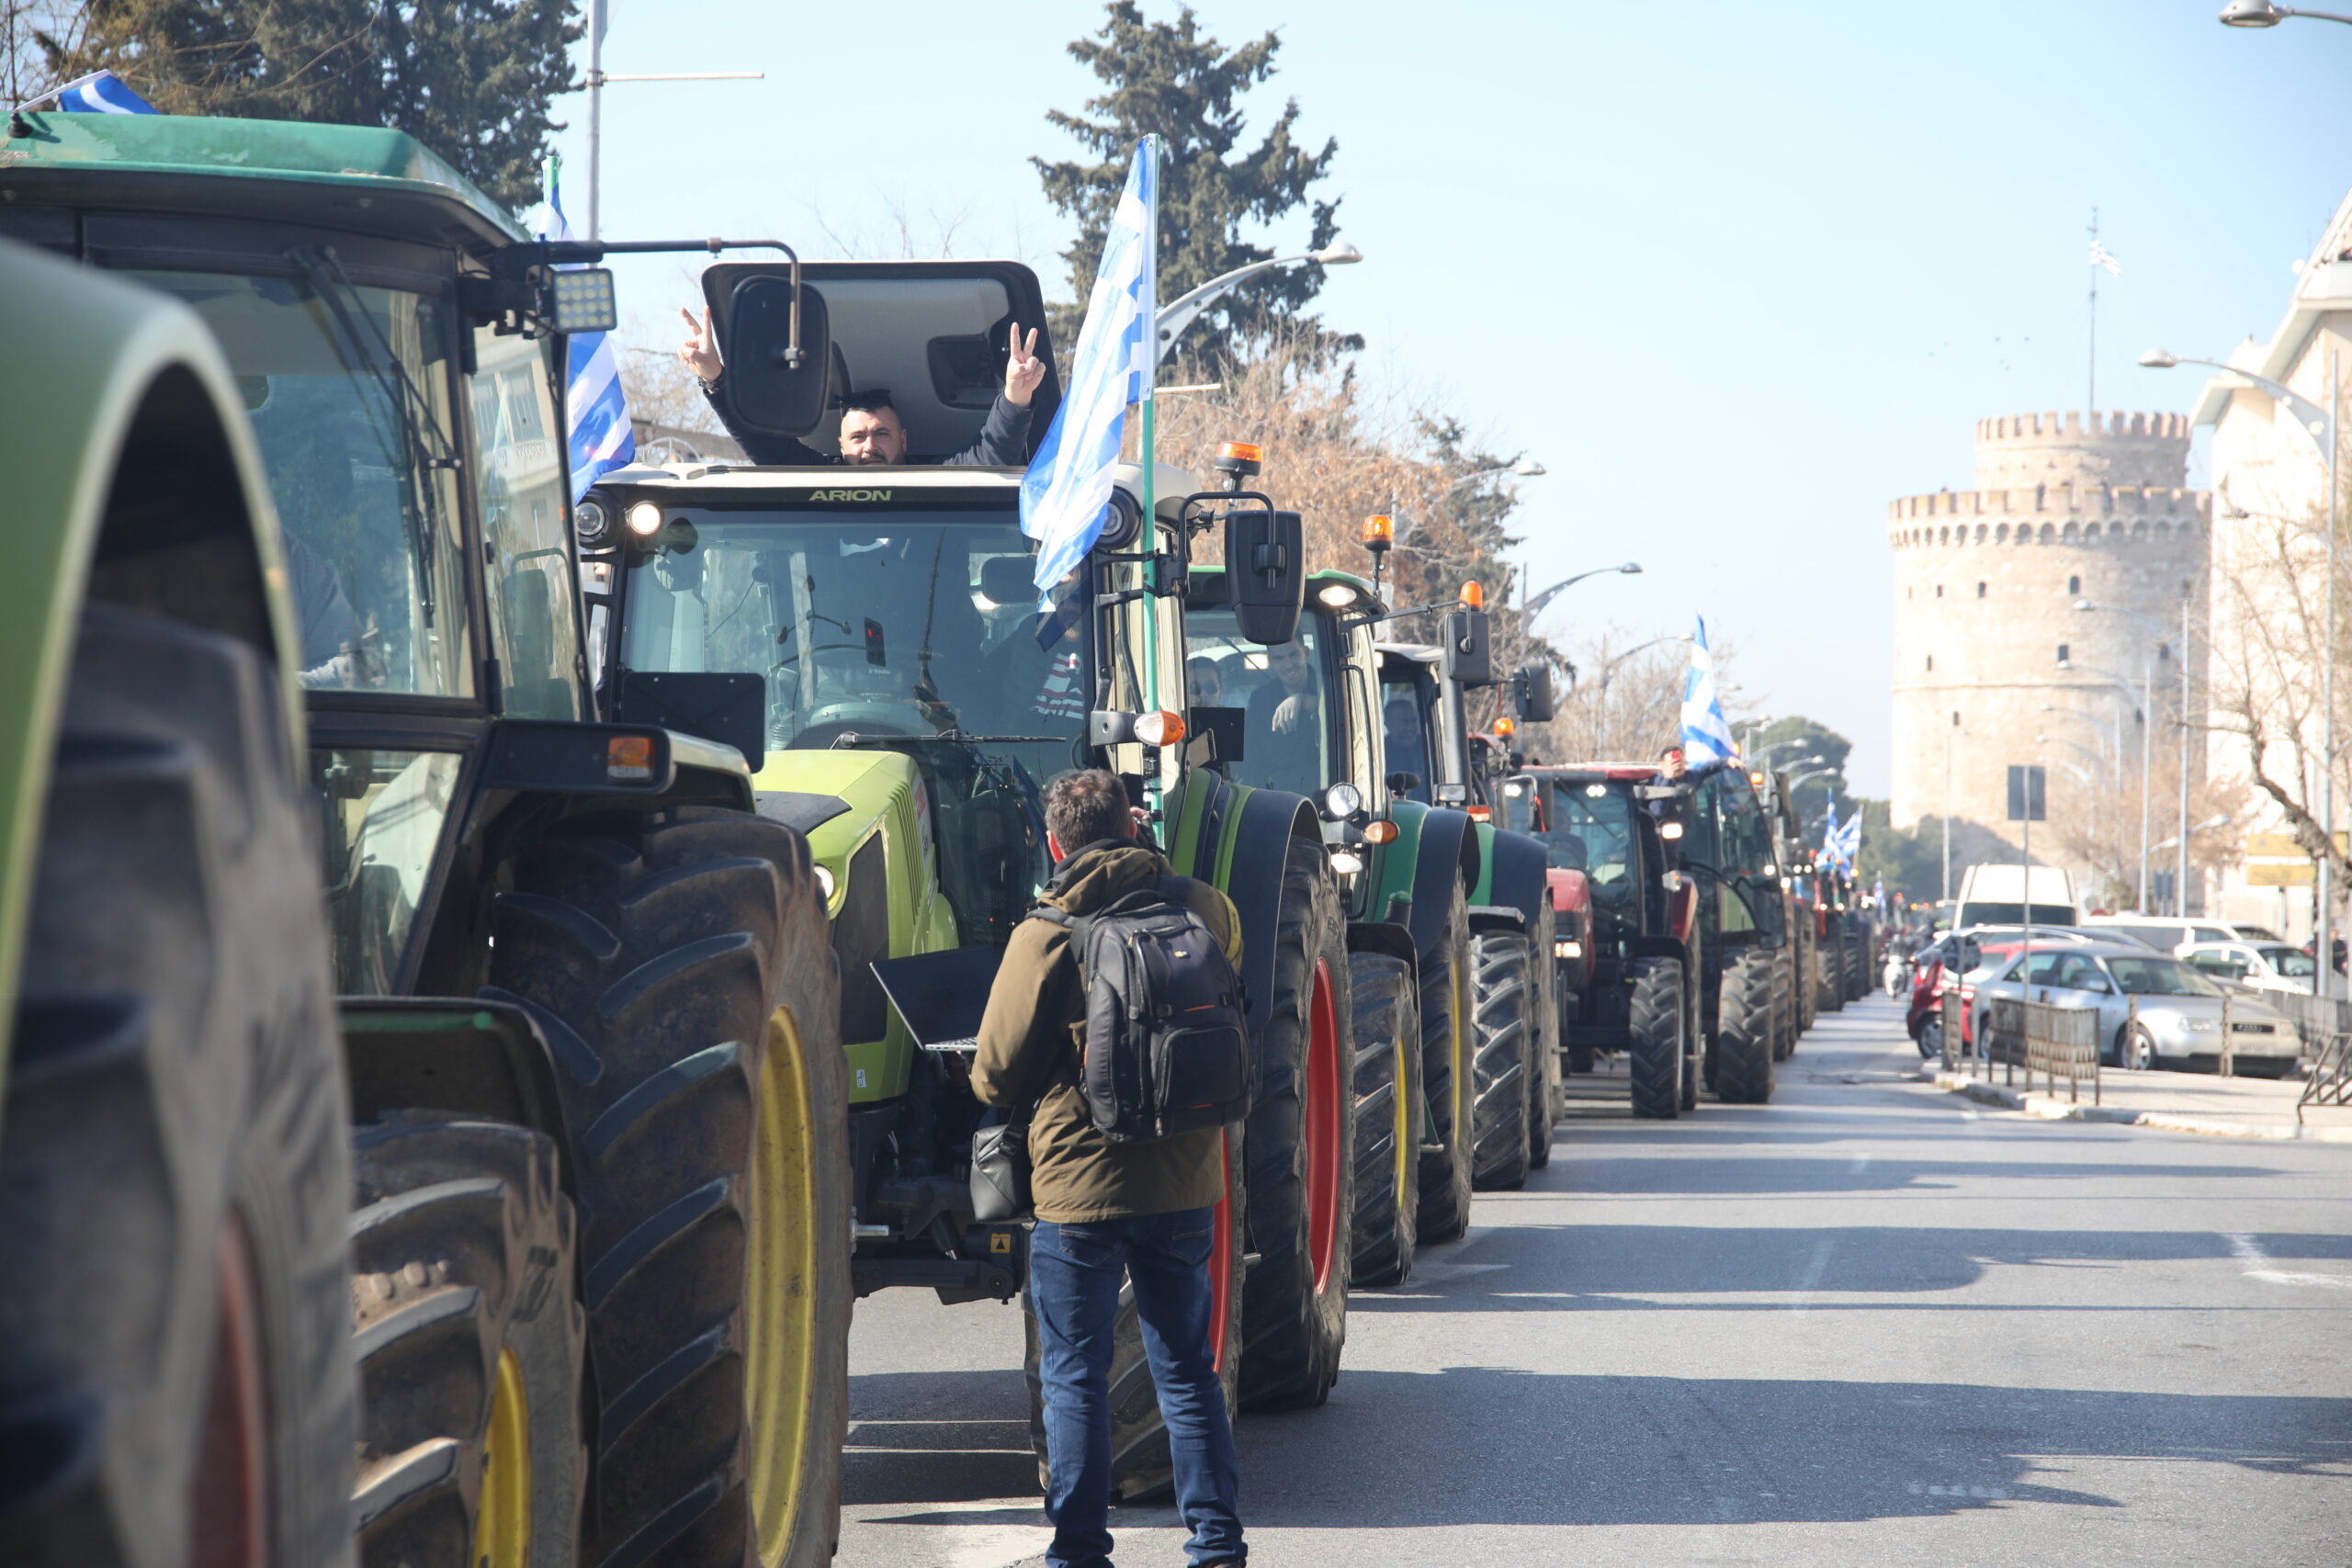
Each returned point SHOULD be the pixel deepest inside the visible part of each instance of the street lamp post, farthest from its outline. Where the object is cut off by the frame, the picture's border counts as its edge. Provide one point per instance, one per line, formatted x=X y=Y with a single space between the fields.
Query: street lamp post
x=2147 y=684
x=2321 y=426
x=1185 y=309
x=2263 y=14
x=1536 y=602
x=2156 y=629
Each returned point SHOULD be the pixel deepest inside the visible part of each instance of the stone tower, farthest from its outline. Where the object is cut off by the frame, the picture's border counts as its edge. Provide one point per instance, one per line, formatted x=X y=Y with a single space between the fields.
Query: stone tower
x=2078 y=506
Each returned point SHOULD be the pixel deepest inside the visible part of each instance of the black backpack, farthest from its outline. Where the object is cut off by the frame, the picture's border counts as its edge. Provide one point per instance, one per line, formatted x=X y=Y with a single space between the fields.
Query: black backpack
x=1166 y=1051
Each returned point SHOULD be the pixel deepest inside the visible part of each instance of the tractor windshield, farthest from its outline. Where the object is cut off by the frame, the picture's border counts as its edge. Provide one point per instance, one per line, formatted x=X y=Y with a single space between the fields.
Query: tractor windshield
x=1588 y=827
x=348 y=388
x=1286 y=693
x=909 y=630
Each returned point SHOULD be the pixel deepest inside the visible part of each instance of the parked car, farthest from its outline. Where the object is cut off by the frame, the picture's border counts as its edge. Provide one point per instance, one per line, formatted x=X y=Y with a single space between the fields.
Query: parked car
x=2165 y=933
x=2256 y=933
x=2179 y=1011
x=2260 y=966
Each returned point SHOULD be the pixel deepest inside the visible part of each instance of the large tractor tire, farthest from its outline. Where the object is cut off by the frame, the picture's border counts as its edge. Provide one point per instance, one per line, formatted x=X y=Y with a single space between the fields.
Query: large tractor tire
x=1744 y=1041
x=1545 y=1100
x=1858 y=976
x=1503 y=1036
x=1446 y=1078
x=1654 y=1057
x=1784 y=1004
x=1140 y=1468
x=1301 y=1153
x=176 y=1381
x=1829 y=985
x=1387 y=1039
x=468 y=1342
x=679 y=966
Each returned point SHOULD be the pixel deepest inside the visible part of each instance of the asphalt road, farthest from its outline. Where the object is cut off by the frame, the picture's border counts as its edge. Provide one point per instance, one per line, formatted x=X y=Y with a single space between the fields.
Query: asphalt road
x=1868 y=1324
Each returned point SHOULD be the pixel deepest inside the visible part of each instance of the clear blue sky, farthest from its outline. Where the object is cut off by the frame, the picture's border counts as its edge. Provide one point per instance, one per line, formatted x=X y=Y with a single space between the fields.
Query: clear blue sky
x=1738 y=274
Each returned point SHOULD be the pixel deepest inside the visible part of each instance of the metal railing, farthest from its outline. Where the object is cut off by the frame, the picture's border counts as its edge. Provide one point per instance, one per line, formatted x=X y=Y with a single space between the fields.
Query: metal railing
x=1950 y=1010
x=2325 y=1024
x=2042 y=1037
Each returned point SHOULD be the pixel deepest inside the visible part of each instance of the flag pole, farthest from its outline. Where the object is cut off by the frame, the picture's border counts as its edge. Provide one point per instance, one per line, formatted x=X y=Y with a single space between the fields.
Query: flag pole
x=2091 y=400
x=1147 y=368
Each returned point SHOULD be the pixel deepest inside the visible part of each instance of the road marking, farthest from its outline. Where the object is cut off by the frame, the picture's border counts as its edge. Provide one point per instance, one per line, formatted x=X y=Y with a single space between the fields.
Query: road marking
x=1814 y=1269
x=2245 y=1249
x=1927 y=1489
x=1861 y=1163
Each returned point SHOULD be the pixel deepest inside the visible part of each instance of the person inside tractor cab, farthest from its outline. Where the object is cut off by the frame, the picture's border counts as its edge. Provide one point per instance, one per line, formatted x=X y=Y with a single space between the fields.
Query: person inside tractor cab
x=1286 y=719
x=872 y=435
x=1402 y=744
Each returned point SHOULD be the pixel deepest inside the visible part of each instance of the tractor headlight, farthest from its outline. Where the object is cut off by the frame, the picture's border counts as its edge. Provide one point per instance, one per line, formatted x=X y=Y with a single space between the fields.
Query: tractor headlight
x=825 y=882
x=591 y=520
x=1342 y=801
x=1564 y=948
x=1347 y=863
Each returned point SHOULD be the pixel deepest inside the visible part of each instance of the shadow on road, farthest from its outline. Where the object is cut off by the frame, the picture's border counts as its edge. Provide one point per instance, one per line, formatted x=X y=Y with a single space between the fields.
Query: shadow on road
x=1783 y=1174
x=1491 y=1447
x=1589 y=1266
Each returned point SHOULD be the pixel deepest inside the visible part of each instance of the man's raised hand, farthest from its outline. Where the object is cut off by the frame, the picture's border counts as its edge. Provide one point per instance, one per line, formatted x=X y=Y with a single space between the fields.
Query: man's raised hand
x=1023 y=371
x=699 y=353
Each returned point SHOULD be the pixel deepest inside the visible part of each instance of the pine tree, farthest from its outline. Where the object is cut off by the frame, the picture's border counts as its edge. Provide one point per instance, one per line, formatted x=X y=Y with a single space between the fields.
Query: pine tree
x=1173 y=80
x=471 y=79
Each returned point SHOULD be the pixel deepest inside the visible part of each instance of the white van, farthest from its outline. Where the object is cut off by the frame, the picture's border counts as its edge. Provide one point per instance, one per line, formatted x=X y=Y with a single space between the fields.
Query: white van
x=1995 y=894
x=2165 y=933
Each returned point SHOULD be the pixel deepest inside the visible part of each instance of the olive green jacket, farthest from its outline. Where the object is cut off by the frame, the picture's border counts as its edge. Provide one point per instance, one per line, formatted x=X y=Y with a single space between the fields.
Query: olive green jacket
x=1032 y=1041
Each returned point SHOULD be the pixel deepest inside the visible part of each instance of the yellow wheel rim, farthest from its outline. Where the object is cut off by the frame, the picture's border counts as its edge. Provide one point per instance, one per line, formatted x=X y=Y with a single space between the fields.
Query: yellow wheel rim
x=503 y=1513
x=779 y=1292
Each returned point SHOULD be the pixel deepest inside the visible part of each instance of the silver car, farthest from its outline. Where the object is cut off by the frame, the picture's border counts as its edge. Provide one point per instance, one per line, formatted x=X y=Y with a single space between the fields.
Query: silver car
x=2178 y=1020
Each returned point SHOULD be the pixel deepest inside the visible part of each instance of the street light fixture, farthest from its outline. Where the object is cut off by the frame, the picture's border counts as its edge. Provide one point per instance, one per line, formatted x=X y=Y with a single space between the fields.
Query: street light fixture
x=1185 y=309
x=1535 y=605
x=2321 y=426
x=2263 y=14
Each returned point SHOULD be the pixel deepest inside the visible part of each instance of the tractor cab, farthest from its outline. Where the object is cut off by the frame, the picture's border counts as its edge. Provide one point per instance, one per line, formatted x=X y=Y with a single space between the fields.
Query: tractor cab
x=801 y=339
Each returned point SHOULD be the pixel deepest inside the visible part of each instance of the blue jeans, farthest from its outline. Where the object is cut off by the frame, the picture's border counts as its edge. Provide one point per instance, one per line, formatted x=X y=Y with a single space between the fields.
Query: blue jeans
x=1074 y=1273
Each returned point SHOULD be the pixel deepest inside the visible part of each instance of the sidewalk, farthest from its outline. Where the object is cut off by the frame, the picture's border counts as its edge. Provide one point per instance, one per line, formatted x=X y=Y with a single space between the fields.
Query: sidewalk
x=2178 y=1103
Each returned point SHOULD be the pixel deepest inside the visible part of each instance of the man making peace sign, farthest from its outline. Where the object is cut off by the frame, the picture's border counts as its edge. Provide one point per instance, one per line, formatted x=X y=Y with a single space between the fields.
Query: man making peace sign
x=872 y=435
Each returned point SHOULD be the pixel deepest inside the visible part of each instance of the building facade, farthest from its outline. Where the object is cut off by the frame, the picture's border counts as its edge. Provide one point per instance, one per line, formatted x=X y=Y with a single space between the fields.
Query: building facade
x=1995 y=665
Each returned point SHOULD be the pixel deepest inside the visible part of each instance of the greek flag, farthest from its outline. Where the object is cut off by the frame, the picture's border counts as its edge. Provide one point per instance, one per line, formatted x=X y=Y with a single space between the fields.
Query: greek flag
x=601 y=439
x=1830 y=834
x=1706 y=736
x=1066 y=494
x=2102 y=256
x=101 y=92
x=1841 y=844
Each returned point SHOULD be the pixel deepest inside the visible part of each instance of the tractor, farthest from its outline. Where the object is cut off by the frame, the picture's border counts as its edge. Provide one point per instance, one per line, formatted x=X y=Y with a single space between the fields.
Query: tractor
x=593 y=1183
x=1516 y=945
x=873 y=640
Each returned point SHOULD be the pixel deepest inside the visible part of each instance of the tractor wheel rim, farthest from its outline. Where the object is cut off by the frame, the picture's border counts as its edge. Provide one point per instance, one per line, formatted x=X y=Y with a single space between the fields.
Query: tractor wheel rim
x=780 y=1303
x=503 y=1516
x=1322 y=1127
x=228 y=1492
x=1221 y=1256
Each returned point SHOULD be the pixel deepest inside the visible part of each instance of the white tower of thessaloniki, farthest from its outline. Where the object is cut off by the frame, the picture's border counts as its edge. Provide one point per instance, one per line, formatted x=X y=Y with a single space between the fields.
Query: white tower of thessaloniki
x=2067 y=507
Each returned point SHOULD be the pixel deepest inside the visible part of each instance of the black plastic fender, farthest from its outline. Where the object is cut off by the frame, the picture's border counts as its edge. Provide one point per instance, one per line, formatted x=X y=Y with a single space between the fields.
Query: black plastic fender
x=1271 y=819
x=1448 y=854
x=1495 y=918
x=484 y=1058
x=1388 y=937
x=1518 y=879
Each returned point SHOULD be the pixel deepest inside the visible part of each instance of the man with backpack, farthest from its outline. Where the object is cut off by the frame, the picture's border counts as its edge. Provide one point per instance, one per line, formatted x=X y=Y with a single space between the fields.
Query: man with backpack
x=1114 y=1026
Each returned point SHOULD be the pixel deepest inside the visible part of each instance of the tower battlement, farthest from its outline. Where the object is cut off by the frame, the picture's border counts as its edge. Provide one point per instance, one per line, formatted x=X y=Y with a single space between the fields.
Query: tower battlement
x=2062 y=513
x=2079 y=447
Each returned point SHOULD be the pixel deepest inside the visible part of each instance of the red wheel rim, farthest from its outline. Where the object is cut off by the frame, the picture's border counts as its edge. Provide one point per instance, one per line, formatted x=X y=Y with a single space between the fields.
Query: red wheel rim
x=1323 y=1151
x=1221 y=1256
x=228 y=1502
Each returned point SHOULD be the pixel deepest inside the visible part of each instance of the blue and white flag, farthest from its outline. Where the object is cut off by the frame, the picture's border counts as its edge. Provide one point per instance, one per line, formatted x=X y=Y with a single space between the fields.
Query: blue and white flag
x=602 y=438
x=1706 y=736
x=1841 y=844
x=1066 y=494
x=101 y=92
x=1829 y=832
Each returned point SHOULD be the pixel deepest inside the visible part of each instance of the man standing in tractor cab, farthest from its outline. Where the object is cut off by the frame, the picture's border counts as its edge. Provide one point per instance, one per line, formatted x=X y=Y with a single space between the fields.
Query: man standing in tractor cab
x=1142 y=1210
x=872 y=433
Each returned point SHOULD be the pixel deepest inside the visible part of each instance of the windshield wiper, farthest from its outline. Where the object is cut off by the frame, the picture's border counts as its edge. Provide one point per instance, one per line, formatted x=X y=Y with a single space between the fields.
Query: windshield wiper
x=419 y=430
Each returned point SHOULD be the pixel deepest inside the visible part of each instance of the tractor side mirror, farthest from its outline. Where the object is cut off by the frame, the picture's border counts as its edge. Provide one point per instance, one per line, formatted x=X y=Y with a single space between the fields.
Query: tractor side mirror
x=1402 y=782
x=1265 y=573
x=1530 y=690
x=1466 y=657
x=766 y=389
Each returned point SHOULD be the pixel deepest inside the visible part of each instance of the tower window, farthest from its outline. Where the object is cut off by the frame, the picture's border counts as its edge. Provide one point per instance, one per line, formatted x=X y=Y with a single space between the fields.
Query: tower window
x=2074 y=585
x=1980 y=590
x=1931 y=661
x=1940 y=590
x=2061 y=653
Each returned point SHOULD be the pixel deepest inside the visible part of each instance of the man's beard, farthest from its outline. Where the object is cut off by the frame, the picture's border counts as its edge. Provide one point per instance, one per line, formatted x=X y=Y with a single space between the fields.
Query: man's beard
x=870 y=459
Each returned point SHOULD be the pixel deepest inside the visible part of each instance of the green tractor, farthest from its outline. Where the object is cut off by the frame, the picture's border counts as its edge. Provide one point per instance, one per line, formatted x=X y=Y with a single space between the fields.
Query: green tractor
x=1515 y=958
x=598 y=1287
x=872 y=638
x=1733 y=848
